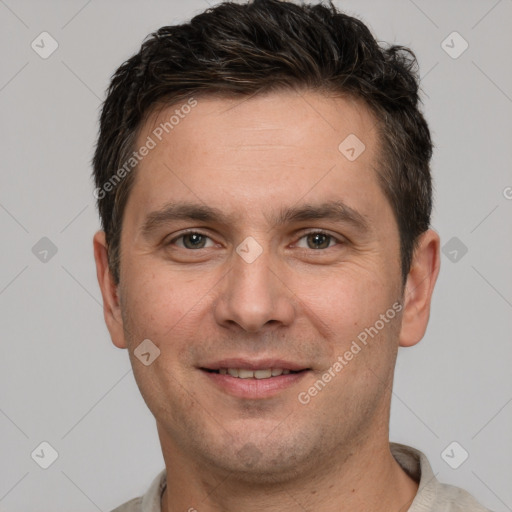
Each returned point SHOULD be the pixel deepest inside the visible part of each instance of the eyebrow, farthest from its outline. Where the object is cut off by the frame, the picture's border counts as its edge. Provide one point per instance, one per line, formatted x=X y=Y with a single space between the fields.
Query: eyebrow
x=336 y=211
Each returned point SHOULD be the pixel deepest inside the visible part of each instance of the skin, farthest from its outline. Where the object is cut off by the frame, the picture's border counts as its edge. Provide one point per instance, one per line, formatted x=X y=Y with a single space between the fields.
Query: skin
x=250 y=158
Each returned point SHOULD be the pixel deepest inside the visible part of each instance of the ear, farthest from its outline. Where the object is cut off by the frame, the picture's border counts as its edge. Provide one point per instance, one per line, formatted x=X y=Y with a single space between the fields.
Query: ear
x=419 y=288
x=109 y=291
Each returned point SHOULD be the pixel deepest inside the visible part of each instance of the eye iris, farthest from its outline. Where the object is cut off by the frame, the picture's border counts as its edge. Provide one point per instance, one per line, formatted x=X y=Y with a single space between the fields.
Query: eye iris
x=196 y=240
x=319 y=238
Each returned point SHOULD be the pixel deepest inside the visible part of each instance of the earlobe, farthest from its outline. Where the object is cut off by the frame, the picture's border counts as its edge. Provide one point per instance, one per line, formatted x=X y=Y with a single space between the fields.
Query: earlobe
x=109 y=291
x=419 y=288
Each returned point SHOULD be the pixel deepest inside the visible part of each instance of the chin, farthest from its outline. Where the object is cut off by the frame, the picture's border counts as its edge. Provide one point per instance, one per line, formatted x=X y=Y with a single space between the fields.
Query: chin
x=263 y=461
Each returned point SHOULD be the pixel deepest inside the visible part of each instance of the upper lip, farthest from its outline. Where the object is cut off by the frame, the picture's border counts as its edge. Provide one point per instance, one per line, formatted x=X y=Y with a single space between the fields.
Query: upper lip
x=254 y=364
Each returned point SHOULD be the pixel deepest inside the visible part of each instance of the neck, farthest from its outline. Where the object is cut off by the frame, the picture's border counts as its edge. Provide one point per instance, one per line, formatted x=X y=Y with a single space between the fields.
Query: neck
x=365 y=479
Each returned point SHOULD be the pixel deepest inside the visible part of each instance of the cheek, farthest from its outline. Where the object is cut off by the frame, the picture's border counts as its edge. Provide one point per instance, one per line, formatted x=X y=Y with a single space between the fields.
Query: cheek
x=156 y=304
x=347 y=308
x=353 y=295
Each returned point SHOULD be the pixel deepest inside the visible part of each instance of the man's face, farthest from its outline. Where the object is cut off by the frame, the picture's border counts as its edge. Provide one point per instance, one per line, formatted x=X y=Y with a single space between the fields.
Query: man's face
x=265 y=283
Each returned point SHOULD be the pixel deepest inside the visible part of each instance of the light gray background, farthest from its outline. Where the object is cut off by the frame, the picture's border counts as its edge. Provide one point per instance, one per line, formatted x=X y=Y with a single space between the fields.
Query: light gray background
x=61 y=379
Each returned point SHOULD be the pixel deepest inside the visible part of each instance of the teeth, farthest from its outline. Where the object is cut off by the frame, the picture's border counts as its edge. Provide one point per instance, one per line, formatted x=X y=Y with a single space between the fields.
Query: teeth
x=242 y=373
x=263 y=374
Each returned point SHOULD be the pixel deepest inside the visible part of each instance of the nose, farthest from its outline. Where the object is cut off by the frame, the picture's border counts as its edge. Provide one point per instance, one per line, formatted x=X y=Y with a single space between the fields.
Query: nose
x=255 y=295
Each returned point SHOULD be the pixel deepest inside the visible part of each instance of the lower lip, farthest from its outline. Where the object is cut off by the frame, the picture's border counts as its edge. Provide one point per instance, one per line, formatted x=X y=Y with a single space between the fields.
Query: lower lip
x=254 y=388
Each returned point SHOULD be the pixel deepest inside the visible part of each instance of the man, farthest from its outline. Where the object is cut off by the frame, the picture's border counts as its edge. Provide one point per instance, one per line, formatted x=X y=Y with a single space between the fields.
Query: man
x=263 y=182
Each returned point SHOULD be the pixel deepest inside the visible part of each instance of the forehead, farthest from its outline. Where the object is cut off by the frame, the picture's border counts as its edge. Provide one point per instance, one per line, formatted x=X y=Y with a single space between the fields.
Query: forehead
x=290 y=117
x=274 y=149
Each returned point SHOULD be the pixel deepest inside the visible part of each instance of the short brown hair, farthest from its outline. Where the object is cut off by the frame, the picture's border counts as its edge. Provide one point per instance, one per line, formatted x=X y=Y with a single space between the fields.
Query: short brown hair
x=264 y=46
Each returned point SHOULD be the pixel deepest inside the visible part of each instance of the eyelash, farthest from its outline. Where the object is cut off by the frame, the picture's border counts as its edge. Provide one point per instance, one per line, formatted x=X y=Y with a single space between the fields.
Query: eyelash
x=313 y=232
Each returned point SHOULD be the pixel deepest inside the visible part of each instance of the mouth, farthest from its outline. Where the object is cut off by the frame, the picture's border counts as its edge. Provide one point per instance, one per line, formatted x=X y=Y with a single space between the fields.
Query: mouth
x=244 y=373
x=254 y=380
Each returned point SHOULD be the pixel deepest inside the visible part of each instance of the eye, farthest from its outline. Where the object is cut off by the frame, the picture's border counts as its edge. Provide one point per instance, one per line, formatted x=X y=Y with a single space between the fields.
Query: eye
x=196 y=240
x=318 y=240
x=191 y=240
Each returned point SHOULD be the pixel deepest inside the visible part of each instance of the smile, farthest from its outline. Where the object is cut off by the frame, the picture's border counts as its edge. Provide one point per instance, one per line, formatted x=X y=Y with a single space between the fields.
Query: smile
x=254 y=383
x=243 y=373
